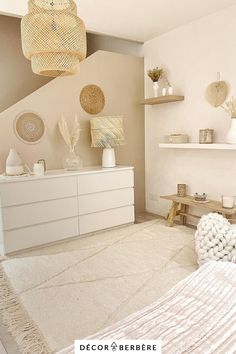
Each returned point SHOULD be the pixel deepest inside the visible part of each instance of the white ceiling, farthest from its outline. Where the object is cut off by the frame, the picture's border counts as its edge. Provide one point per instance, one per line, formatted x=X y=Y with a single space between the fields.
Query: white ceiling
x=138 y=20
x=142 y=20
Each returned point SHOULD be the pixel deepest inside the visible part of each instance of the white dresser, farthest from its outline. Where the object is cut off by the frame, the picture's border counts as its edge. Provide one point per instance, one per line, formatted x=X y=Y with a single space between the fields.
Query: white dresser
x=61 y=204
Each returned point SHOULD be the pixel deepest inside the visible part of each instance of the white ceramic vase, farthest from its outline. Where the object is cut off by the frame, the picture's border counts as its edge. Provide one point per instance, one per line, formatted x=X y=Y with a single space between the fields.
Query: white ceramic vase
x=155 y=88
x=14 y=165
x=231 y=135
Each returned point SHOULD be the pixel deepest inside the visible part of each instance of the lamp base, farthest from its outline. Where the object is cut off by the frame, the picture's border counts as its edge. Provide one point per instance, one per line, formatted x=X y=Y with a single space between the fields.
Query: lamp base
x=108 y=158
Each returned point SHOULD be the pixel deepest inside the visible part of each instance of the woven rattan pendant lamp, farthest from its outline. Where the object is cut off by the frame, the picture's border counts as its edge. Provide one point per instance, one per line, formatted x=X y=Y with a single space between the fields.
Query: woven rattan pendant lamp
x=53 y=37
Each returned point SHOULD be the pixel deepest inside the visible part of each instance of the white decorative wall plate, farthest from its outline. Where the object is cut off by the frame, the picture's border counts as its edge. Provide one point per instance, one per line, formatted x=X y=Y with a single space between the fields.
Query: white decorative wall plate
x=29 y=127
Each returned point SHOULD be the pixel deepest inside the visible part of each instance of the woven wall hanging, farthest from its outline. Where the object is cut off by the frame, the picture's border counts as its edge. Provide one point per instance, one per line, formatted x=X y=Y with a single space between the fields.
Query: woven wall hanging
x=53 y=37
x=29 y=127
x=217 y=92
x=92 y=99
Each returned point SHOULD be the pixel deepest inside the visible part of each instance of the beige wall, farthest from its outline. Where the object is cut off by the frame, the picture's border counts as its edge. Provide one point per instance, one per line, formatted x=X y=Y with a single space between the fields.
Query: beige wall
x=16 y=77
x=193 y=54
x=112 y=44
x=121 y=79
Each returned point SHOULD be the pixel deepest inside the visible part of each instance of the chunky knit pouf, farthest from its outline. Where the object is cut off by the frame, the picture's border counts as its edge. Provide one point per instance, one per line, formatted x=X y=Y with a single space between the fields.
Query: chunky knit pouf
x=215 y=239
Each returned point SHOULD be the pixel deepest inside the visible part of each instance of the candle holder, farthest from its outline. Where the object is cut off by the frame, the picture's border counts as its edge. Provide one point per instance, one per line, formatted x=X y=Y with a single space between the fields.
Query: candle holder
x=181 y=190
x=227 y=201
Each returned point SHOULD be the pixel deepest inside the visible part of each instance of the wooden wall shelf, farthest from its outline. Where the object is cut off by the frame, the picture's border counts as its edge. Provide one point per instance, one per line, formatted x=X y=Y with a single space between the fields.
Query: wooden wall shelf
x=199 y=146
x=162 y=99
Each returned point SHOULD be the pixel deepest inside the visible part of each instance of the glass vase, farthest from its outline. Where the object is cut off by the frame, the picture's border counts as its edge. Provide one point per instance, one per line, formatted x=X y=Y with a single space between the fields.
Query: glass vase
x=73 y=162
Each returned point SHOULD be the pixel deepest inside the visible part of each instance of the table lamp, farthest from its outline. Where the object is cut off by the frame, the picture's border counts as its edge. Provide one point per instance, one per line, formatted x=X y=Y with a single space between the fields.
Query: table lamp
x=107 y=132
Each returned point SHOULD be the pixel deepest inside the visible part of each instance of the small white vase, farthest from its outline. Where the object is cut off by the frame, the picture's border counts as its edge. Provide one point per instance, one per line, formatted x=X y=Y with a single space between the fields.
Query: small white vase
x=170 y=90
x=164 y=91
x=155 y=88
x=14 y=165
x=231 y=135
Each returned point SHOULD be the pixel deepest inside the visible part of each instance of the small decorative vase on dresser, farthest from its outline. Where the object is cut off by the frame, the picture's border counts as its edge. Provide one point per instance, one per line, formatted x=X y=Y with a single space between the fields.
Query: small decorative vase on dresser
x=231 y=135
x=73 y=162
x=14 y=165
x=36 y=210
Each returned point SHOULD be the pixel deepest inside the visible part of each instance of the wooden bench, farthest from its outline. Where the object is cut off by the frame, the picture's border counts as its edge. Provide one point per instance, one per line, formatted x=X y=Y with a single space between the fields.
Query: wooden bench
x=180 y=207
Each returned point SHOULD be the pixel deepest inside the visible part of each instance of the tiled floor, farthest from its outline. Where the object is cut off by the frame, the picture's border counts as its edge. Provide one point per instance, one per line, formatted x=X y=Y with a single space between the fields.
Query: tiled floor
x=168 y=256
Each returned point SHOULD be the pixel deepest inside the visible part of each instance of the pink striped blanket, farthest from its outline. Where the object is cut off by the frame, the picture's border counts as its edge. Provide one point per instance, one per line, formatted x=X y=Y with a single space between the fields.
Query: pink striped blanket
x=197 y=316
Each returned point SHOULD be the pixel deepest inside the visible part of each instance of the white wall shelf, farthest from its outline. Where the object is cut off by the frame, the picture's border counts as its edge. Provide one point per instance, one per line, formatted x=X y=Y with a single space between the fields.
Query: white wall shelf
x=199 y=146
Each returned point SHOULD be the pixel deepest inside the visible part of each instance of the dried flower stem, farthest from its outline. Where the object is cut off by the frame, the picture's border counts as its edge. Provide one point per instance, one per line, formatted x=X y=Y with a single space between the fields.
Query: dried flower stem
x=230 y=107
x=70 y=138
x=155 y=74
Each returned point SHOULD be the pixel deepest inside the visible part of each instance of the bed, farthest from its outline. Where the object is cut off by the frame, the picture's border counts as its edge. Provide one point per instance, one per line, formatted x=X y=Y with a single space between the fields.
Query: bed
x=197 y=316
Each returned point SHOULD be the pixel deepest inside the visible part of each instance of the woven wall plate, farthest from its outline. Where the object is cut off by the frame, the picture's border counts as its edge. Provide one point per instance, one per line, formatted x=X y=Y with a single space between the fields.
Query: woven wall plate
x=216 y=93
x=29 y=127
x=92 y=99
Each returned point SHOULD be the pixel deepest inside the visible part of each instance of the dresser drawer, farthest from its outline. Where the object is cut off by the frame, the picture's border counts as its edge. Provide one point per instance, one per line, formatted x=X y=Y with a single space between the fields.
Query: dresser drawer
x=99 y=182
x=105 y=219
x=27 y=192
x=40 y=234
x=91 y=203
x=37 y=213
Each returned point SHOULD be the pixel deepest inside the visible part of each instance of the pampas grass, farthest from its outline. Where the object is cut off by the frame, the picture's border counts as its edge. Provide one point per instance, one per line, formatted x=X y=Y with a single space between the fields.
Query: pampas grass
x=71 y=138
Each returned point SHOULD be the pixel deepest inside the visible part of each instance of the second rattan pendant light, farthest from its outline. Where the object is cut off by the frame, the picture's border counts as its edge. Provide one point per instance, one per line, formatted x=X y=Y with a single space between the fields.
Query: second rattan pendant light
x=53 y=37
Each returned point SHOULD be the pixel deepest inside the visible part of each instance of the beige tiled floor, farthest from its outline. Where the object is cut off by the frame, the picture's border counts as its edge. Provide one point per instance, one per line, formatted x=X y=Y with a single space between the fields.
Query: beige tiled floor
x=164 y=256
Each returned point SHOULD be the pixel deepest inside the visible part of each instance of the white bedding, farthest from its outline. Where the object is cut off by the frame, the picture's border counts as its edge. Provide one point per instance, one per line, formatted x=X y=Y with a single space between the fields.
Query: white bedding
x=197 y=316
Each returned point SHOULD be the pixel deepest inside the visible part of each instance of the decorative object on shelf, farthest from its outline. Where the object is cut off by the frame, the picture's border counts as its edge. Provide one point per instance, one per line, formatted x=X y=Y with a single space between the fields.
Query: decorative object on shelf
x=72 y=162
x=92 y=99
x=215 y=239
x=164 y=91
x=217 y=92
x=200 y=197
x=53 y=37
x=155 y=74
x=227 y=201
x=176 y=139
x=181 y=190
x=107 y=132
x=230 y=108
x=14 y=165
x=206 y=136
x=168 y=89
x=29 y=127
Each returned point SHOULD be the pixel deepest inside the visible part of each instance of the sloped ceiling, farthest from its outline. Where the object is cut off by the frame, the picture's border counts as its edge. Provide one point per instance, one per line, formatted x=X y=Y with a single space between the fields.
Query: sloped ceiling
x=138 y=20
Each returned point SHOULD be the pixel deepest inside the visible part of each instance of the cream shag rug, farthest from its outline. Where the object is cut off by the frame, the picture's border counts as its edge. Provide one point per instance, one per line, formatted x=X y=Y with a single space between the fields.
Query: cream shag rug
x=48 y=301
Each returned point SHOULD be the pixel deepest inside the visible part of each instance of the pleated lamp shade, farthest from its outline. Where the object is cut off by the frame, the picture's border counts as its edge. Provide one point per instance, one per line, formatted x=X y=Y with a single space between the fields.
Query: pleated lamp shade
x=107 y=132
x=53 y=37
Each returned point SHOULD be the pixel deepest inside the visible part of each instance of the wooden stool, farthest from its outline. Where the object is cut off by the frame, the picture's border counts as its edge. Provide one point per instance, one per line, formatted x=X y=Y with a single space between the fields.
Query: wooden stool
x=180 y=207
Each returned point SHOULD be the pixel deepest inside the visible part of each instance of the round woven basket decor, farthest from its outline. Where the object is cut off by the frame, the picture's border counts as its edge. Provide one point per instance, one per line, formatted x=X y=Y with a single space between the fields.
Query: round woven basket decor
x=29 y=127
x=92 y=99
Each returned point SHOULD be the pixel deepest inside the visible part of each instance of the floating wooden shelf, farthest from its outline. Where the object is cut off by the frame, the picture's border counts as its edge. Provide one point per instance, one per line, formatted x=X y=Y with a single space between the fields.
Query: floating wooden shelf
x=199 y=146
x=162 y=99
